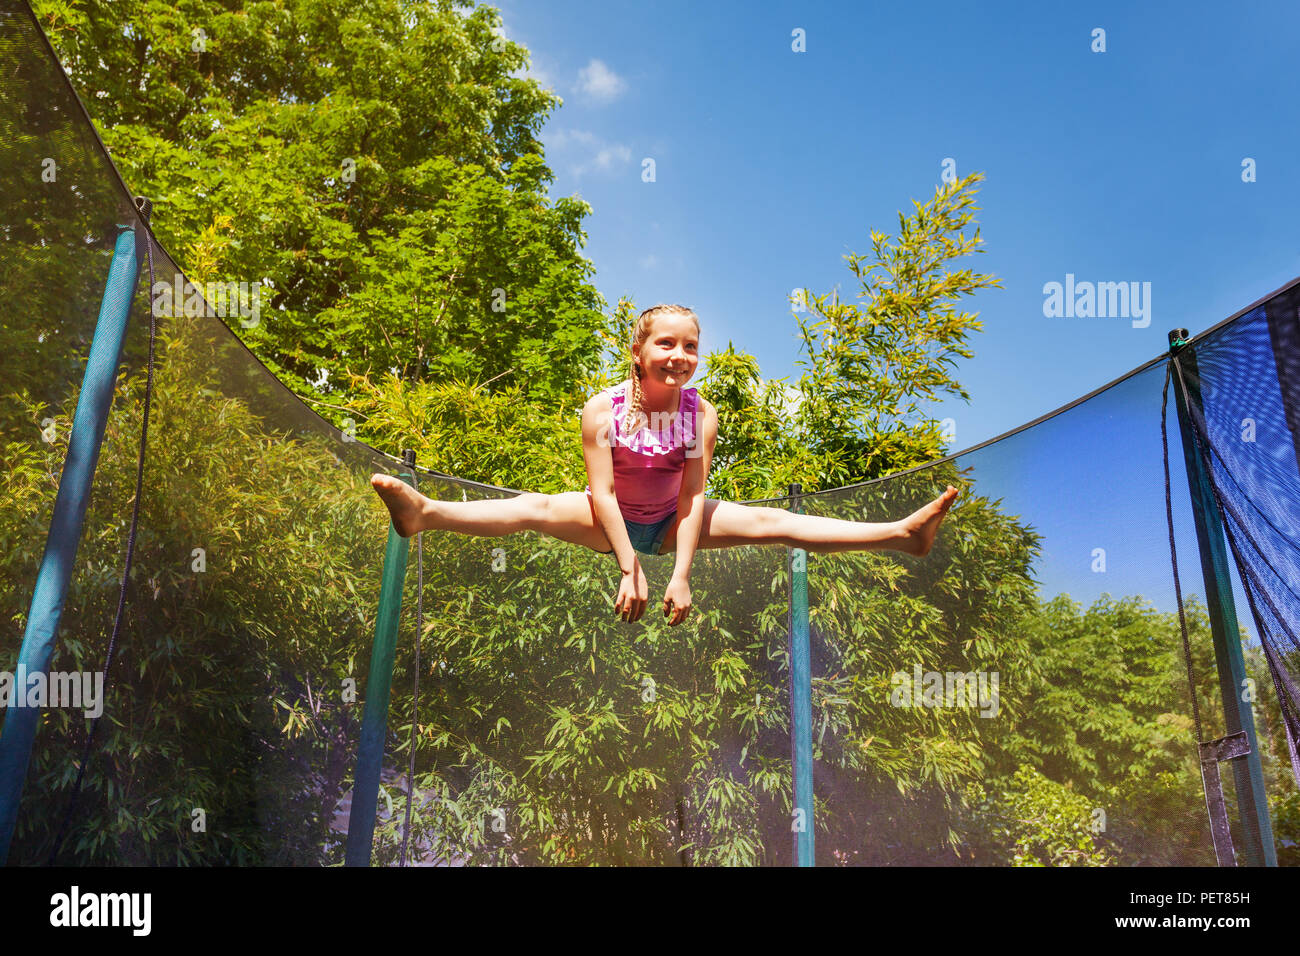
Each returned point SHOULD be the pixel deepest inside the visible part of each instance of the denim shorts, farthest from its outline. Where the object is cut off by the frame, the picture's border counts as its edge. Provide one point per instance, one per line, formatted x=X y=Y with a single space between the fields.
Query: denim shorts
x=647 y=538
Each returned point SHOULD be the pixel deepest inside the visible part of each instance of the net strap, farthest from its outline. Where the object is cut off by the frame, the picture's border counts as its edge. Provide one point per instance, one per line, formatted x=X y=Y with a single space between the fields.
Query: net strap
x=1212 y=785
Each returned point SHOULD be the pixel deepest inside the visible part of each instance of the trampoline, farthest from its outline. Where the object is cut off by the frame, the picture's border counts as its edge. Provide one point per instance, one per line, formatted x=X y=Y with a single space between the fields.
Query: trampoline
x=1042 y=688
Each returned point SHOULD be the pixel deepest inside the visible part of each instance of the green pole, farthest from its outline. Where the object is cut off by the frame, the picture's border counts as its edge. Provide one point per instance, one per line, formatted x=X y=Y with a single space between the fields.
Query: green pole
x=374 y=720
x=63 y=538
x=1248 y=773
x=800 y=701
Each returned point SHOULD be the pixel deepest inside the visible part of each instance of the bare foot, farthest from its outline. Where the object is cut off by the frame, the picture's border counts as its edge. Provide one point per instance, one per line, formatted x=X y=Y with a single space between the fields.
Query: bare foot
x=405 y=505
x=919 y=528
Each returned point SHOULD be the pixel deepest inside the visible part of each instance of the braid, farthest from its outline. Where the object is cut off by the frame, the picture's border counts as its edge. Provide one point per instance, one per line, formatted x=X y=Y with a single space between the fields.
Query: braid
x=633 y=414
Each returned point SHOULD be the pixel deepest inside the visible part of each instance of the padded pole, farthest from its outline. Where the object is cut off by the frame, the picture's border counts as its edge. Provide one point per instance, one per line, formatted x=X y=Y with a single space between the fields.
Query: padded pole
x=1248 y=773
x=64 y=535
x=800 y=701
x=374 y=719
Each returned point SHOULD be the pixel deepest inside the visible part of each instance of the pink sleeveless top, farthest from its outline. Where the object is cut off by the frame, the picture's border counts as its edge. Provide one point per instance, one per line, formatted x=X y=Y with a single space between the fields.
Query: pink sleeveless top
x=648 y=464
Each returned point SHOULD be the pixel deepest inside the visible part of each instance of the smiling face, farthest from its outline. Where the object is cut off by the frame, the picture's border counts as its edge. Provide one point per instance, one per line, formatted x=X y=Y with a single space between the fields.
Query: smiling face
x=670 y=354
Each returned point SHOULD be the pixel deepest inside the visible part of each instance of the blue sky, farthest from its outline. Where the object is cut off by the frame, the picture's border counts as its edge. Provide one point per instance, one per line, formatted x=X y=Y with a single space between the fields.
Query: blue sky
x=771 y=165
x=1117 y=166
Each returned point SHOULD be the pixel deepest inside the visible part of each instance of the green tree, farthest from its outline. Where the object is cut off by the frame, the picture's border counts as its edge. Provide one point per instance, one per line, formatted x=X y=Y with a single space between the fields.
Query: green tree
x=225 y=684
x=1112 y=721
x=1034 y=821
x=870 y=364
x=856 y=409
x=388 y=226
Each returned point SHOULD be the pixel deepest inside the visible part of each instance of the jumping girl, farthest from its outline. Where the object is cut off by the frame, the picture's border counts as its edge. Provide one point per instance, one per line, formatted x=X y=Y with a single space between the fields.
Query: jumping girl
x=648 y=443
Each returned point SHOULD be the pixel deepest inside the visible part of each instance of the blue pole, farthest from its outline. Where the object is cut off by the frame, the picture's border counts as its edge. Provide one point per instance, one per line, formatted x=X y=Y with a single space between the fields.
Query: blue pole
x=800 y=702
x=379 y=683
x=64 y=535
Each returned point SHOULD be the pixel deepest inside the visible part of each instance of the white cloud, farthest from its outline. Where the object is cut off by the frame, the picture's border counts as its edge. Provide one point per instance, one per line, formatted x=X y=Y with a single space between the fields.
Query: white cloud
x=565 y=137
x=649 y=262
x=600 y=82
x=600 y=156
x=606 y=159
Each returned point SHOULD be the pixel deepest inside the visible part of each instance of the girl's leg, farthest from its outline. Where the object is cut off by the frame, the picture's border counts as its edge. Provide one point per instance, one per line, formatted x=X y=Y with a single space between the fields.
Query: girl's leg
x=728 y=525
x=568 y=516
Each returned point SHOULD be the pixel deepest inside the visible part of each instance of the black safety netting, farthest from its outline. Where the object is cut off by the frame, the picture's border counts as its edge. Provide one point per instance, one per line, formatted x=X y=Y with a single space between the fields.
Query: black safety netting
x=1017 y=696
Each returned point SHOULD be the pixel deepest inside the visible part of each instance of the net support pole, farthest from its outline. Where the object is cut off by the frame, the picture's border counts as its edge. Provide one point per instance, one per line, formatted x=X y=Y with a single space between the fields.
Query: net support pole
x=800 y=701
x=64 y=536
x=1248 y=773
x=379 y=684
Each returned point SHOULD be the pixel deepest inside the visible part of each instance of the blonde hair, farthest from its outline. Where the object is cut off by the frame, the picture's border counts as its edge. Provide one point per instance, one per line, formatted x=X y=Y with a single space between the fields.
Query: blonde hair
x=641 y=332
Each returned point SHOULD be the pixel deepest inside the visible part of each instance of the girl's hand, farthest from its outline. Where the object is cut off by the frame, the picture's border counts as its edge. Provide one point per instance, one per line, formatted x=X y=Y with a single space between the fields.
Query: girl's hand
x=633 y=594
x=677 y=601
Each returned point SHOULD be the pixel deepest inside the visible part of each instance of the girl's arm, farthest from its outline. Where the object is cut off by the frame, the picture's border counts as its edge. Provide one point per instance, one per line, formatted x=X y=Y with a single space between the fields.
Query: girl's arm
x=690 y=500
x=596 y=422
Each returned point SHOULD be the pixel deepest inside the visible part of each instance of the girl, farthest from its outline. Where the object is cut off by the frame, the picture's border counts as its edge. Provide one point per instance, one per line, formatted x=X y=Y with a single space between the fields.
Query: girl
x=647 y=479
